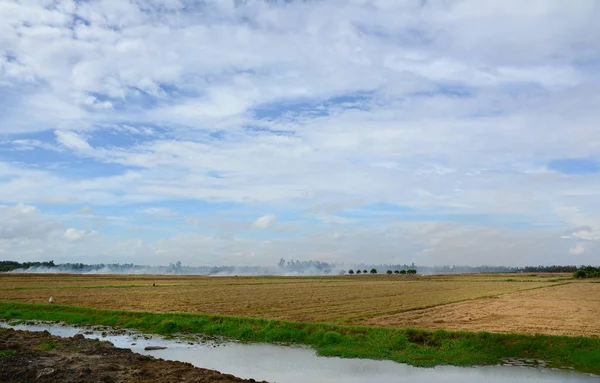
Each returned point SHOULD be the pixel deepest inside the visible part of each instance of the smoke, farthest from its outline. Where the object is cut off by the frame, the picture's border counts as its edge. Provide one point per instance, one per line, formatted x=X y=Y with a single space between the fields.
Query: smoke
x=218 y=271
x=290 y=268
x=284 y=268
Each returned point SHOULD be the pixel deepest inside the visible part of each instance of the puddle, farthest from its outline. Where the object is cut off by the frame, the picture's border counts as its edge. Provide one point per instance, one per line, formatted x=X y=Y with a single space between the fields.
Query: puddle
x=284 y=364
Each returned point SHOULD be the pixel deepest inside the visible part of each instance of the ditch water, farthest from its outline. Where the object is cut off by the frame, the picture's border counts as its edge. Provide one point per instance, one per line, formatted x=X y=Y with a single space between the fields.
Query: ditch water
x=285 y=364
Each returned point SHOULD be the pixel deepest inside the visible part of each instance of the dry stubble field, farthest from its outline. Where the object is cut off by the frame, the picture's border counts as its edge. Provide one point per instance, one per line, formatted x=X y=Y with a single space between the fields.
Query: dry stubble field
x=541 y=303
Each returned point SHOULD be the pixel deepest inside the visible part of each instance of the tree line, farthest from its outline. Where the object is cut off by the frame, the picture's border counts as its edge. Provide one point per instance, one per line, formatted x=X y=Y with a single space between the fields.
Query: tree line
x=14 y=265
x=293 y=267
x=587 y=272
x=374 y=271
x=305 y=266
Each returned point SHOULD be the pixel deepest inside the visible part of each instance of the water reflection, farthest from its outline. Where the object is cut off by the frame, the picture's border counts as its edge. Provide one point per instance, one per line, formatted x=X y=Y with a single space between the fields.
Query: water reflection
x=284 y=364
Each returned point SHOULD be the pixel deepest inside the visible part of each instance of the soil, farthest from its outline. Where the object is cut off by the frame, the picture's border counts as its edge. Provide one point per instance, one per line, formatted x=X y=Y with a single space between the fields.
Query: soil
x=331 y=300
x=571 y=309
x=507 y=303
x=40 y=357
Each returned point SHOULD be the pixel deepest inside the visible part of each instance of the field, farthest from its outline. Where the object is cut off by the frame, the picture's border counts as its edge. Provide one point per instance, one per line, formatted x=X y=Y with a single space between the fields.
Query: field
x=508 y=303
x=348 y=316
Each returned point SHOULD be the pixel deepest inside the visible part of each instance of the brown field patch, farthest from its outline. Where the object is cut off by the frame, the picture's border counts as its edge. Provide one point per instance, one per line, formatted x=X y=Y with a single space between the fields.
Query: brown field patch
x=569 y=309
x=350 y=299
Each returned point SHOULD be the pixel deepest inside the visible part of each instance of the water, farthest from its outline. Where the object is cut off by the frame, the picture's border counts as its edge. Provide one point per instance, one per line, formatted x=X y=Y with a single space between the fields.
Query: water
x=283 y=364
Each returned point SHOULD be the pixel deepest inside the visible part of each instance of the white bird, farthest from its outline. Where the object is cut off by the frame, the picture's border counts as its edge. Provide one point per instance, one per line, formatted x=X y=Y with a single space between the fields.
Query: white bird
x=50 y=300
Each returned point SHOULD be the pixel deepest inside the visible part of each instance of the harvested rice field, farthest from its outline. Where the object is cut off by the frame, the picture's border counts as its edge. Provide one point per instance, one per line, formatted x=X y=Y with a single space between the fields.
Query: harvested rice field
x=569 y=309
x=517 y=303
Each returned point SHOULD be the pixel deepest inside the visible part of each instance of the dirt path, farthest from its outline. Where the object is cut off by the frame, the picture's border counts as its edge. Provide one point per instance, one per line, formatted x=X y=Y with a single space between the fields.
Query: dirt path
x=40 y=357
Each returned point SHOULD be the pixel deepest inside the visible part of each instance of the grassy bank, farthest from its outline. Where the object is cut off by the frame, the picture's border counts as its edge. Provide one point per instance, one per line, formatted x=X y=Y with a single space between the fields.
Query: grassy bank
x=415 y=347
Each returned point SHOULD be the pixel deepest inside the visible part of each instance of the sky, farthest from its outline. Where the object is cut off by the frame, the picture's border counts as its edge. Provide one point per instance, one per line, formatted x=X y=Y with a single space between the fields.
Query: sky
x=241 y=132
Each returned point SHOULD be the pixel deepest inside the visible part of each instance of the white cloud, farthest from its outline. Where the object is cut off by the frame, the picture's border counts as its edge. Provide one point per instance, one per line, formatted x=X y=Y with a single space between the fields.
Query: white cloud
x=22 y=222
x=159 y=212
x=578 y=249
x=72 y=234
x=590 y=235
x=73 y=141
x=85 y=211
x=264 y=222
x=311 y=108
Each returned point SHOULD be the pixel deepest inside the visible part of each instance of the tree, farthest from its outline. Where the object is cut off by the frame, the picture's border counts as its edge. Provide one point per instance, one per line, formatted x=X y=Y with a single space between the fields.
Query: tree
x=357 y=271
x=350 y=271
x=364 y=271
x=587 y=272
x=373 y=271
x=396 y=272
x=402 y=271
x=389 y=272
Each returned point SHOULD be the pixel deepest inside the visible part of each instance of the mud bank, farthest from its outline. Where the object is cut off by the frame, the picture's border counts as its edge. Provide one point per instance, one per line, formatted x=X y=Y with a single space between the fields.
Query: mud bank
x=40 y=357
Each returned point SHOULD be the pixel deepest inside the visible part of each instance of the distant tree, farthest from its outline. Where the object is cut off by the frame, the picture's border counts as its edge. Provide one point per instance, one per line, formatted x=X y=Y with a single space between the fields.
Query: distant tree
x=350 y=271
x=357 y=271
x=364 y=271
x=373 y=271
x=591 y=272
x=411 y=271
x=342 y=272
x=9 y=265
x=579 y=274
x=587 y=272
x=402 y=271
x=396 y=272
x=389 y=272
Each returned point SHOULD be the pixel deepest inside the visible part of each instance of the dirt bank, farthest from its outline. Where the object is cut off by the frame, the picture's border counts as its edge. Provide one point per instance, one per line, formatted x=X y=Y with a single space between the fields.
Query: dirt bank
x=40 y=357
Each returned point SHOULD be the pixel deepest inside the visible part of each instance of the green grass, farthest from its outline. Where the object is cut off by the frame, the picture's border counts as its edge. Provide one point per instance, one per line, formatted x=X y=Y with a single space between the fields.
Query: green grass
x=4 y=353
x=411 y=346
x=46 y=346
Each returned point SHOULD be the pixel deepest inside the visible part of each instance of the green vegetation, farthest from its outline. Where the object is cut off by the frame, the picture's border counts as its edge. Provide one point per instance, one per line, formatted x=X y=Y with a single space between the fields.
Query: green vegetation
x=14 y=265
x=4 y=353
x=46 y=346
x=587 y=272
x=415 y=347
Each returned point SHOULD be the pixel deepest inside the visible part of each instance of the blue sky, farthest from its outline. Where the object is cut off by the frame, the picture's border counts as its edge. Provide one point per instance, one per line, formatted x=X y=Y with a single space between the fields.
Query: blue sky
x=229 y=132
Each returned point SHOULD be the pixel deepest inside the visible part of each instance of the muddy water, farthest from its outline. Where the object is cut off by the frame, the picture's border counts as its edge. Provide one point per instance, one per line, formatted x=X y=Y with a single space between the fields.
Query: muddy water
x=284 y=364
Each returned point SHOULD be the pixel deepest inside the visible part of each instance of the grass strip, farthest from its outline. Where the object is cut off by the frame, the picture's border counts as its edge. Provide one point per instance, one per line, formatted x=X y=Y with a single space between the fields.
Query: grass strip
x=4 y=353
x=415 y=347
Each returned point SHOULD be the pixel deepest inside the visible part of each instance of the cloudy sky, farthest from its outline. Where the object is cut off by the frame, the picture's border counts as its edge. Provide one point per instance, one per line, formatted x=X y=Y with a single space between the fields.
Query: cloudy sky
x=240 y=132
